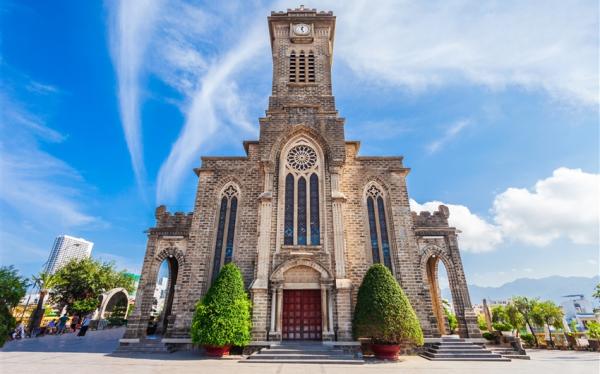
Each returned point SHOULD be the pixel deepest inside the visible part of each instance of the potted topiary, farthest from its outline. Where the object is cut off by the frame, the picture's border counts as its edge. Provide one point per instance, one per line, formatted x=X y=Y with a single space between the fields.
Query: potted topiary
x=383 y=313
x=222 y=317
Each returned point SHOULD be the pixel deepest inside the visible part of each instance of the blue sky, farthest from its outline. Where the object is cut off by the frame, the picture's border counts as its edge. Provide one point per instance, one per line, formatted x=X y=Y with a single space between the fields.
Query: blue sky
x=107 y=107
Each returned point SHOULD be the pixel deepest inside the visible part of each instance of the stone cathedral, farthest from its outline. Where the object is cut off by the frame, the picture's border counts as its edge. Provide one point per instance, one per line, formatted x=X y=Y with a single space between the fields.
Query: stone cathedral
x=303 y=216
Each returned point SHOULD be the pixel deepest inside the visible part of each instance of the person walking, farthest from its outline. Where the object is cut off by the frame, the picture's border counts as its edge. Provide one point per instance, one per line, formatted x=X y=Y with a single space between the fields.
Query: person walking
x=62 y=324
x=51 y=326
x=74 y=322
x=84 y=326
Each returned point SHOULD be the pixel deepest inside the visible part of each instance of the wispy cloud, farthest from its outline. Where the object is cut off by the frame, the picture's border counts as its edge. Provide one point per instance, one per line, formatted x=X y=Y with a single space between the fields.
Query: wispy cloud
x=36 y=185
x=131 y=28
x=550 y=45
x=451 y=132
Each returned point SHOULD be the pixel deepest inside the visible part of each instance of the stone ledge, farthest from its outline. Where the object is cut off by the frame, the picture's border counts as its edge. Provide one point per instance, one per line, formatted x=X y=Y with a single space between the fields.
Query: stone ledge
x=133 y=340
x=177 y=340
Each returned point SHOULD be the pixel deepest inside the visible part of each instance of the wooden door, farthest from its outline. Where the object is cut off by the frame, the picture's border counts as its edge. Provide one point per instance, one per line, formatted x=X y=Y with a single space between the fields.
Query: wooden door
x=301 y=315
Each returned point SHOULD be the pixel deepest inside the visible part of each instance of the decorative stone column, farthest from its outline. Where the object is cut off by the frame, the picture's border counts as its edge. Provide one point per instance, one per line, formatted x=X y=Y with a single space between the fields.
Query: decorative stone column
x=343 y=285
x=259 y=288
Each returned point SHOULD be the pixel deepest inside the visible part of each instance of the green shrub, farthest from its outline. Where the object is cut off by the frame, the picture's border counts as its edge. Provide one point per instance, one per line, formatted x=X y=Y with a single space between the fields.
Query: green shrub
x=528 y=339
x=502 y=326
x=383 y=312
x=593 y=330
x=222 y=317
x=481 y=322
x=489 y=335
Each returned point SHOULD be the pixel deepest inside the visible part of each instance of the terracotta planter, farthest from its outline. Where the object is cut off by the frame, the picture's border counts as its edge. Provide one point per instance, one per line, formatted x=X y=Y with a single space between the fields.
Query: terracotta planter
x=216 y=351
x=386 y=351
x=594 y=344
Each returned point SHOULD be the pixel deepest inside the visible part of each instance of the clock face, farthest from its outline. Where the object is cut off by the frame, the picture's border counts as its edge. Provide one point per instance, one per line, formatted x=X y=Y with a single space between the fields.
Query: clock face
x=301 y=29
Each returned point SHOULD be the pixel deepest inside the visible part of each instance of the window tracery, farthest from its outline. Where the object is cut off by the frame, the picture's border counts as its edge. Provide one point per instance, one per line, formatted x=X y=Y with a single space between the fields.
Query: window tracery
x=224 y=242
x=301 y=207
x=378 y=230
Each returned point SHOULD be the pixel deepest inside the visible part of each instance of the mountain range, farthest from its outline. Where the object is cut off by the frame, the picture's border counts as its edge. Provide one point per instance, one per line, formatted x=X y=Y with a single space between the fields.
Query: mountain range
x=548 y=288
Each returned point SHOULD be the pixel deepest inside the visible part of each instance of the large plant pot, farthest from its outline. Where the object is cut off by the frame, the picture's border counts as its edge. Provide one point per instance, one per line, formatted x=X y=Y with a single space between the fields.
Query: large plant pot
x=386 y=351
x=217 y=351
x=594 y=344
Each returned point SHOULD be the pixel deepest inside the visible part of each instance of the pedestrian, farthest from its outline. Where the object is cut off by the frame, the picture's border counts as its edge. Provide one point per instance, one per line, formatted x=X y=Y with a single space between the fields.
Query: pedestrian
x=84 y=326
x=19 y=331
x=51 y=326
x=74 y=322
x=62 y=324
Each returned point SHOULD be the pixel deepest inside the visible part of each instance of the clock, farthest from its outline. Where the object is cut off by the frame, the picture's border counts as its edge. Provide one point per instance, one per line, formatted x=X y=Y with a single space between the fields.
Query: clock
x=301 y=29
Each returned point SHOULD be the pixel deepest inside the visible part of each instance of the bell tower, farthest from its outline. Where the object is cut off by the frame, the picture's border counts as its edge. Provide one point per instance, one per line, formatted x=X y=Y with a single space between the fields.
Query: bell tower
x=302 y=49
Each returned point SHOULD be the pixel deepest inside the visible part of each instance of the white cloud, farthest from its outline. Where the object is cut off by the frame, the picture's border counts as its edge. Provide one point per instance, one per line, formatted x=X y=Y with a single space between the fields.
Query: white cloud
x=131 y=29
x=39 y=187
x=476 y=235
x=563 y=205
x=541 y=45
x=451 y=132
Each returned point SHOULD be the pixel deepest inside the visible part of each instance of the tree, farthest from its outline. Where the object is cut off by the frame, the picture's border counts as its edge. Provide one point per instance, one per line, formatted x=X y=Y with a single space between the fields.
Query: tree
x=549 y=314
x=83 y=281
x=514 y=317
x=452 y=321
x=525 y=306
x=596 y=293
x=222 y=318
x=383 y=312
x=45 y=281
x=12 y=289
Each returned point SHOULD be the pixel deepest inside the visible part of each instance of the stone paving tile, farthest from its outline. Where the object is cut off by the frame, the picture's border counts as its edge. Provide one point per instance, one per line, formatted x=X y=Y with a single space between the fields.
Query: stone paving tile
x=91 y=355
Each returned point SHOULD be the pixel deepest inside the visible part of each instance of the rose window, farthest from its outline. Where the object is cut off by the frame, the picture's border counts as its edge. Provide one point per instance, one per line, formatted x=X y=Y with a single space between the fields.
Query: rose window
x=302 y=157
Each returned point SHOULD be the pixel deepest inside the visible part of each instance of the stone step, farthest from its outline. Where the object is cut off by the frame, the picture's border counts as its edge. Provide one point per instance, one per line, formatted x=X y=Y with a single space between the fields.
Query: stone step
x=500 y=359
x=466 y=355
x=299 y=356
x=297 y=351
x=309 y=361
x=457 y=351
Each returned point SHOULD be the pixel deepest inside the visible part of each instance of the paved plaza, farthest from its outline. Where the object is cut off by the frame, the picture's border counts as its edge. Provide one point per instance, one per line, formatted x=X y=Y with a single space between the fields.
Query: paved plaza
x=92 y=354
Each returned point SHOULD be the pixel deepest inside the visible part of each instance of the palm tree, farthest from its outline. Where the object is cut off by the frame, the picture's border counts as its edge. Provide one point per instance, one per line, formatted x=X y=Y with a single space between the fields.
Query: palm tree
x=45 y=281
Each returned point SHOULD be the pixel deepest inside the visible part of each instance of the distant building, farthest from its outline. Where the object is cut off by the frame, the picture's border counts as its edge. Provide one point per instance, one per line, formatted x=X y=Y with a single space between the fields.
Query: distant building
x=577 y=308
x=65 y=249
x=160 y=295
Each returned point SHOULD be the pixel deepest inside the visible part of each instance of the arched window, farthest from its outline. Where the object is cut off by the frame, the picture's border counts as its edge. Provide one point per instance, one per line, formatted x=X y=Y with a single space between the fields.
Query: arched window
x=301 y=208
x=225 y=229
x=378 y=230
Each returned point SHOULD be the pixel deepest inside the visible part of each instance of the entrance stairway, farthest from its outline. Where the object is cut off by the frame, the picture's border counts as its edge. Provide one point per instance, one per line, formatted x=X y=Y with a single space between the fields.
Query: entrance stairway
x=144 y=346
x=509 y=352
x=456 y=349
x=304 y=353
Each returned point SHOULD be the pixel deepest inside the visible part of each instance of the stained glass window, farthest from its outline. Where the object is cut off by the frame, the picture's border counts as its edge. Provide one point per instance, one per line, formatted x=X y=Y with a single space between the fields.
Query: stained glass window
x=230 y=230
x=315 y=234
x=373 y=230
x=301 y=211
x=385 y=244
x=288 y=233
x=219 y=242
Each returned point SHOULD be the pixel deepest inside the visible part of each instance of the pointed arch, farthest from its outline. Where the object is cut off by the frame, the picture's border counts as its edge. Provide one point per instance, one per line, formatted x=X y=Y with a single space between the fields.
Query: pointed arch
x=225 y=228
x=378 y=226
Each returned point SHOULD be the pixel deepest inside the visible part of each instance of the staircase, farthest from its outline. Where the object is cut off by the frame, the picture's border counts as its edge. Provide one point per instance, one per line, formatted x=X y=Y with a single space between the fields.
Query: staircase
x=455 y=349
x=509 y=352
x=304 y=353
x=144 y=346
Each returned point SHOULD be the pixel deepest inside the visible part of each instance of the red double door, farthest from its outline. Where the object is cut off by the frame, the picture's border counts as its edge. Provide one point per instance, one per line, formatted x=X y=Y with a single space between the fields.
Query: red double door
x=301 y=318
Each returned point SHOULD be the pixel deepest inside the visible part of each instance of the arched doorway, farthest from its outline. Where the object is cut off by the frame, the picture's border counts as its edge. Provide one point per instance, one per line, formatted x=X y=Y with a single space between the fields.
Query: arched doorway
x=162 y=302
x=114 y=304
x=441 y=296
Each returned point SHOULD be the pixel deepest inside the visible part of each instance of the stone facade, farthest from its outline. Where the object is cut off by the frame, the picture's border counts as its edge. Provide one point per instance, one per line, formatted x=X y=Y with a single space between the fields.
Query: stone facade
x=355 y=212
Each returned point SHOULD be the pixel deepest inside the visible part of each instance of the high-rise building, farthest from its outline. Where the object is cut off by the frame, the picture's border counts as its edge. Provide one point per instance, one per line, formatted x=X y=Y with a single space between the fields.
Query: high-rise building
x=65 y=249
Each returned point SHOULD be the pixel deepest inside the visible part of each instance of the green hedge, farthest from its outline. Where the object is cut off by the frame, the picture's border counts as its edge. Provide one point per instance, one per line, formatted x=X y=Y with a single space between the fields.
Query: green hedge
x=383 y=312
x=222 y=317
